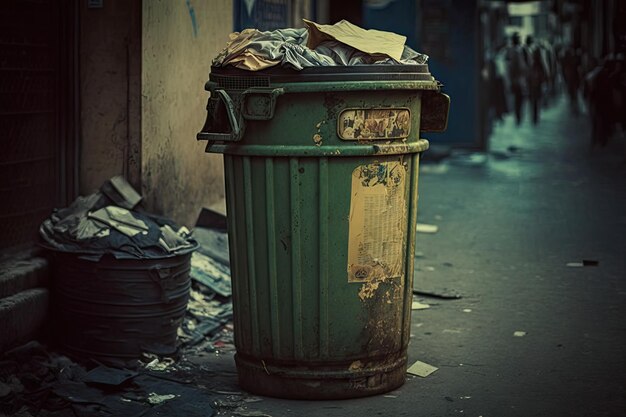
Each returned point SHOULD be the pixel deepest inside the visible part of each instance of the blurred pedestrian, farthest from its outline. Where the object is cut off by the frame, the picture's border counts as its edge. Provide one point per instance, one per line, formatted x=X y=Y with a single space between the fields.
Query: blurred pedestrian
x=549 y=58
x=537 y=75
x=570 y=66
x=517 y=70
x=493 y=84
x=605 y=90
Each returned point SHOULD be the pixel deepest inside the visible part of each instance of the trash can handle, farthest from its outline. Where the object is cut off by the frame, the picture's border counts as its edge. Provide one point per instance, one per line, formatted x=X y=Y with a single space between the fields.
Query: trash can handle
x=236 y=125
x=258 y=103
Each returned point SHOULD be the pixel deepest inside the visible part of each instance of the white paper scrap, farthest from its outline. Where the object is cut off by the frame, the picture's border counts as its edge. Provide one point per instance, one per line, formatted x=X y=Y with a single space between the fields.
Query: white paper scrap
x=426 y=228
x=416 y=305
x=421 y=369
x=519 y=333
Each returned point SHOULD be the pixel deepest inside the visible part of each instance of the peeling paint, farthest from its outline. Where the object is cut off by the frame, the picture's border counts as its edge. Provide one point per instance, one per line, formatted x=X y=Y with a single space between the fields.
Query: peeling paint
x=368 y=290
x=317 y=137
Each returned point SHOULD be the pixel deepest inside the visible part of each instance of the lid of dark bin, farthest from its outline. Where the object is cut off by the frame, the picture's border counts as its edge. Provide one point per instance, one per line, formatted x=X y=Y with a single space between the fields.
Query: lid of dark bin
x=234 y=78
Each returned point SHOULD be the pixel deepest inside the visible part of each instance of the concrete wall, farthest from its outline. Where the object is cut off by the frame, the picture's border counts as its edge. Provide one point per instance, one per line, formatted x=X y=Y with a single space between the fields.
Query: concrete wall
x=179 y=40
x=110 y=70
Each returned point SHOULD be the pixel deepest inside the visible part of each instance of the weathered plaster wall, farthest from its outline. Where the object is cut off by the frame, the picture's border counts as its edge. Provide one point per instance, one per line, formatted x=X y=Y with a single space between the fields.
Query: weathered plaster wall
x=110 y=77
x=180 y=38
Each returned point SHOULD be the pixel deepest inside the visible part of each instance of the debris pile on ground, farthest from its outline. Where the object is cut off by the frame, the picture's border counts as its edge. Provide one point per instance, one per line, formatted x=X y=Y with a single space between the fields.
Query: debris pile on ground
x=208 y=326
x=36 y=382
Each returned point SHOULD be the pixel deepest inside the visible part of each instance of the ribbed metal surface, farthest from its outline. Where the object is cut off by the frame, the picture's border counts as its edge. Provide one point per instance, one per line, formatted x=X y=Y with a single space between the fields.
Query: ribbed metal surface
x=324 y=337
x=296 y=255
x=119 y=308
x=288 y=220
x=410 y=249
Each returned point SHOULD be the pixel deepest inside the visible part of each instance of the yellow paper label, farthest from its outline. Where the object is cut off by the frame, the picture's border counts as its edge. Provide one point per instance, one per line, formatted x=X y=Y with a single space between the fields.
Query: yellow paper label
x=377 y=222
x=374 y=124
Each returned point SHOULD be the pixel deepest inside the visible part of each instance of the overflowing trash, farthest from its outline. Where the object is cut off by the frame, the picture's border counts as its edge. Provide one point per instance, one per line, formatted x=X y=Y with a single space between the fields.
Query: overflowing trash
x=110 y=222
x=316 y=45
x=37 y=381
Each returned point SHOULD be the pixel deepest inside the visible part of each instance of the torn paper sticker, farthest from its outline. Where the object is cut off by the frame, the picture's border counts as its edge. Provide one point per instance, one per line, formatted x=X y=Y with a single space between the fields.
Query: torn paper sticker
x=377 y=229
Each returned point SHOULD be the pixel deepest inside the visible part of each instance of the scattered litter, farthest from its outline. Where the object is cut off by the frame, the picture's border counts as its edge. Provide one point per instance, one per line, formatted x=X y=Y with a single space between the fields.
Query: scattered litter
x=421 y=369
x=455 y=331
x=250 y=413
x=211 y=274
x=207 y=320
x=154 y=398
x=467 y=310
x=213 y=243
x=429 y=268
x=468 y=158
x=419 y=254
x=159 y=365
x=390 y=396
x=416 y=305
x=227 y=392
x=426 y=228
x=440 y=295
x=519 y=333
x=585 y=262
x=46 y=383
x=251 y=400
x=466 y=397
x=434 y=168
x=207 y=326
x=105 y=375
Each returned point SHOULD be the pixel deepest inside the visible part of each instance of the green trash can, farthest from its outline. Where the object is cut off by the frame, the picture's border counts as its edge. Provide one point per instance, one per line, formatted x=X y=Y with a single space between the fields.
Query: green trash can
x=321 y=170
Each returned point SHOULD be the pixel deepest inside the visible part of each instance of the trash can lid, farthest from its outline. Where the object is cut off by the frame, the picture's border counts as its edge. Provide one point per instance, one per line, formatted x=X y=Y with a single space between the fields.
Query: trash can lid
x=234 y=78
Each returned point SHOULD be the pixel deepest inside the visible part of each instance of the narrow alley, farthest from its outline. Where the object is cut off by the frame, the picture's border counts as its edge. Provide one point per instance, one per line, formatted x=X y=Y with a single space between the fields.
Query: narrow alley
x=313 y=208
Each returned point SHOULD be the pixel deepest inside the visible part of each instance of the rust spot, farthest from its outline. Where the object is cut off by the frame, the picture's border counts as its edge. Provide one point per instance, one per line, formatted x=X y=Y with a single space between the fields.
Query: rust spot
x=368 y=290
x=356 y=365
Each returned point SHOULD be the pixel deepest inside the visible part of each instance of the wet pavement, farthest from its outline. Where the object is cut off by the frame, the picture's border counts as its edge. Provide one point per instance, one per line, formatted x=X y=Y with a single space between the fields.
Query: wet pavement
x=531 y=336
